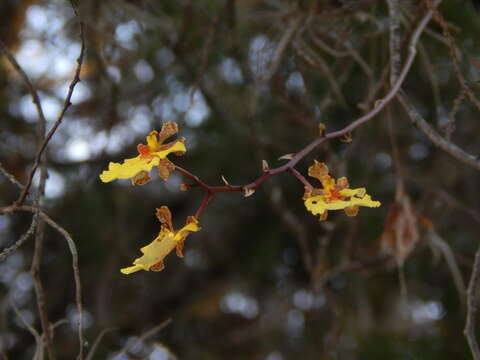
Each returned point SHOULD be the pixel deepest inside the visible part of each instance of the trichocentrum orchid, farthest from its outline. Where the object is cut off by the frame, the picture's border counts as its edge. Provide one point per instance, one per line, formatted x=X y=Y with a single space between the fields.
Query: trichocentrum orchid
x=165 y=242
x=334 y=195
x=150 y=155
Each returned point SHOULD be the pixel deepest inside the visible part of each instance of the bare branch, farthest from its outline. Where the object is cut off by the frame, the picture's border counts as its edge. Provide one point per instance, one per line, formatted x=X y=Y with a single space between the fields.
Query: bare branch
x=282 y=47
x=57 y=123
x=76 y=274
x=73 y=251
x=434 y=136
x=33 y=92
x=38 y=338
x=97 y=341
x=144 y=336
x=11 y=178
x=451 y=262
x=395 y=39
x=472 y=307
x=11 y=249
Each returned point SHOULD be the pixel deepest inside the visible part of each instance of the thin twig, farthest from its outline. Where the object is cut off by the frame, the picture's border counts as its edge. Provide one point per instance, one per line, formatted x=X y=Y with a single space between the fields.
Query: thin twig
x=11 y=249
x=395 y=39
x=11 y=178
x=282 y=47
x=37 y=282
x=472 y=307
x=97 y=341
x=454 y=53
x=25 y=78
x=434 y=136
x=76 y=274
x=38 y=338
x=73 y=251
x=40 y=295
x=144 y=337
x=57 y=123
x=451 y=263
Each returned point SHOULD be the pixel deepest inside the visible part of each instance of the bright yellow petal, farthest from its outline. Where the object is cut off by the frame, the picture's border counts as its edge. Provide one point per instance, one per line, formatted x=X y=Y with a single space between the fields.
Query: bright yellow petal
x=159 y=248
x=317 y=205
x=153 y=253
x=187 y=229
x=359 y=192
x=152 y=140
x=128 y=169
x=178 y=146
x=364 y=201
x=131 y=269
x=328 y=182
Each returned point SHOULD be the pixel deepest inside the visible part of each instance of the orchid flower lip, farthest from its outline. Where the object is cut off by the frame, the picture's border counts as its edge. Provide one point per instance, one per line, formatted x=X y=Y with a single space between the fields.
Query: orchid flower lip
x=334 y=195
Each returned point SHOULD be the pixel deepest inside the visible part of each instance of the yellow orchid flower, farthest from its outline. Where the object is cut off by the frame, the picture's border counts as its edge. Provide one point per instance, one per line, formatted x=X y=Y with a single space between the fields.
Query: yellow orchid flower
x=334 y=195
x=166 y=241
x=150 y=155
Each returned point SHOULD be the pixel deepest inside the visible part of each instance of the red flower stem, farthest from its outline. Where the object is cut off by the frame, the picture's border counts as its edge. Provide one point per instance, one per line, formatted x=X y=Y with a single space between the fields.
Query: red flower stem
x=206 y=199
x=210 y=191
x=300 y=177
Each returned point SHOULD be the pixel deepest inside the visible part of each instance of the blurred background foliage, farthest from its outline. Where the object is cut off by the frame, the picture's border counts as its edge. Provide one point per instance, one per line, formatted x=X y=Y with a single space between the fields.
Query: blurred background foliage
x=246 y=80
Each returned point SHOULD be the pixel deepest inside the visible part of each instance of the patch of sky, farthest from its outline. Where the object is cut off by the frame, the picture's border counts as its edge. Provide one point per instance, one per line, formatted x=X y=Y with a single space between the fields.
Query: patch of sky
x=230 y=71
x=198 y=110
x=143 y=71
x=46 y=20
x=55 y=185
x=57 y=55
x=51 y=108
x=160 y=352
x=427 y=311
x=303 y=300
x=77 y=149
x=136 y=346
x=33 y=58
x=82 y=92
x=260 y=54
x=239 y=303
x=117 y=138
x=125 y=34
x=73 y=317
x=140 y=119
x=173 y=84
x=295 y=83
x=114 y=73
x=182 y=101
x=164 y=109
